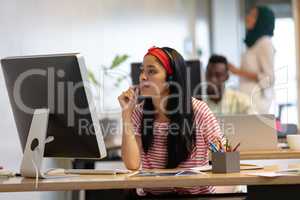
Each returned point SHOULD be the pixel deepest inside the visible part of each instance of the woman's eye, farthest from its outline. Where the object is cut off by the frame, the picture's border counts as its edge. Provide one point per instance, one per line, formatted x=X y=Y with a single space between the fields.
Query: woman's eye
x=141 y=70
x=151 y=71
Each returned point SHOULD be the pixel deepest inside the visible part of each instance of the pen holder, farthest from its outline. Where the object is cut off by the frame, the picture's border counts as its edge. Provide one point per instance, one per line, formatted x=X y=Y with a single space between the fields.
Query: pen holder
x=225 y=162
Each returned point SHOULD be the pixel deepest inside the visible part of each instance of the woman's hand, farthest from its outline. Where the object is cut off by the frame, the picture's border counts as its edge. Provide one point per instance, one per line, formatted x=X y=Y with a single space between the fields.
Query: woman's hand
x=130 y=145
x=242 y=73
x=128 y=100
x=232 y=68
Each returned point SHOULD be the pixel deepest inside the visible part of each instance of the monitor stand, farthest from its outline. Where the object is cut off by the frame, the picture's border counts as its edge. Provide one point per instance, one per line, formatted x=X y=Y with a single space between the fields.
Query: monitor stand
x=31 y=165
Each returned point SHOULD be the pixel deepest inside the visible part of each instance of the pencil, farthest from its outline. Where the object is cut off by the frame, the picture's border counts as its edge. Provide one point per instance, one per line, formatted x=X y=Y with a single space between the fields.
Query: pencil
x=237 y=146
x=133 y=173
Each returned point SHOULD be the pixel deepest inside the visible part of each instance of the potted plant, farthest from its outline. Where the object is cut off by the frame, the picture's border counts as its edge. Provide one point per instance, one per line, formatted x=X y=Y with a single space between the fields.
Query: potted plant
x=110 y=123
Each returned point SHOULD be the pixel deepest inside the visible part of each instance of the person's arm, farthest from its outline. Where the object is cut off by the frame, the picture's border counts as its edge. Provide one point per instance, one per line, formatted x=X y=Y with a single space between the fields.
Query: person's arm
x=208 y=125
x=212 y=129
x=130 y=144
x=265 y=59
x=242 y=73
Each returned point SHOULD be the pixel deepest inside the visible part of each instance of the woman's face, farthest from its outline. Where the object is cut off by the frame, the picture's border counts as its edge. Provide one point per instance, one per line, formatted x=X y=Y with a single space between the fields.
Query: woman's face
x=153 y=78
x=251 y=19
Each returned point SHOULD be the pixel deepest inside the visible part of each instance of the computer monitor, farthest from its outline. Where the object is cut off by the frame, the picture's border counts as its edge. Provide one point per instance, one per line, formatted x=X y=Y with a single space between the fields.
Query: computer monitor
x=194 y=75
x=58 y=83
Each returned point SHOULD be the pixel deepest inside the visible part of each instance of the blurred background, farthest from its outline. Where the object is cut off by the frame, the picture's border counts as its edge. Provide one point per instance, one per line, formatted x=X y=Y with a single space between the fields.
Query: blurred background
x=103 y=30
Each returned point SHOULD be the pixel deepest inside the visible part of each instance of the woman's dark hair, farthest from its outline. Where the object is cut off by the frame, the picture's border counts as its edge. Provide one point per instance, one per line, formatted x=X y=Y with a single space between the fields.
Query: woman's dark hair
x=181 y=137
x=264 y=25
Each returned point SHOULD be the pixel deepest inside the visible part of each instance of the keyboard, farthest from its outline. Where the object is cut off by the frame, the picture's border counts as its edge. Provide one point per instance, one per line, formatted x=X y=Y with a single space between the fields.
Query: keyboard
x=97 y=171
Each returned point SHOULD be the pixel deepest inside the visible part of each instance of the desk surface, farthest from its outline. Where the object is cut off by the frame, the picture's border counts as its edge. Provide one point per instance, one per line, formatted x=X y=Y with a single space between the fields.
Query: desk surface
x=264 y=155
x=18 y=184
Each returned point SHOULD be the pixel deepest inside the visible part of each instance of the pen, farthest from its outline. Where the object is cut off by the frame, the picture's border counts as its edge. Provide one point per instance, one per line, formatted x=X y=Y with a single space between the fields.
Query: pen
x=180 y=172
x=237 y=146
x=226 y=145
x=133 y=173
x=220 y=146
x=212 y=149
x=215 y=149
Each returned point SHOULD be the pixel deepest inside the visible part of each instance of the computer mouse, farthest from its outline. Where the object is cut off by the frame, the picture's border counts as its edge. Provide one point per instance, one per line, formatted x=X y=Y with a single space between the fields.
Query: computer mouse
x=54 y=171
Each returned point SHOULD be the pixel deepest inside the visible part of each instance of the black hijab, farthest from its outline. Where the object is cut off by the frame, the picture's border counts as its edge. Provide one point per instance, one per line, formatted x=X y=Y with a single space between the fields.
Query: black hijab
x=264 y=26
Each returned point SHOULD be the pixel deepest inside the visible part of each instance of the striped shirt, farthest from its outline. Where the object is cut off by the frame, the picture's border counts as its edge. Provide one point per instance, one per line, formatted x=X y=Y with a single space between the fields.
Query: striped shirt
x=207 y=130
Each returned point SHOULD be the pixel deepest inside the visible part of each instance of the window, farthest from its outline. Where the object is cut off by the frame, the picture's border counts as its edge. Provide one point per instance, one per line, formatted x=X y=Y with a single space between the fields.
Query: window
x=285 y=70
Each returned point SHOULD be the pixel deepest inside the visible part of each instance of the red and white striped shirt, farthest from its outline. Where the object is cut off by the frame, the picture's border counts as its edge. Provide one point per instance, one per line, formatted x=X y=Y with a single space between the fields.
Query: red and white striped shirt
x=207 y=130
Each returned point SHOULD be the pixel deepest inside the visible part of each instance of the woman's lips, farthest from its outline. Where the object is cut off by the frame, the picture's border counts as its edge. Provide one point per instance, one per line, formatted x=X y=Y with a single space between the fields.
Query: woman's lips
x=144 y=85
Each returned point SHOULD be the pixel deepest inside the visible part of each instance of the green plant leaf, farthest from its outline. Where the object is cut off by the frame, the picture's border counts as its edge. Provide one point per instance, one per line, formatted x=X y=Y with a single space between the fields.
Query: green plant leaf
x=118 y=60
x=91 y=78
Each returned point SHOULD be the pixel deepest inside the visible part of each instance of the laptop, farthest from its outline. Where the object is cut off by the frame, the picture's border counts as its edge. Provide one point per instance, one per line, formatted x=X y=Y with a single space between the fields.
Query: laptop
x=254 y=132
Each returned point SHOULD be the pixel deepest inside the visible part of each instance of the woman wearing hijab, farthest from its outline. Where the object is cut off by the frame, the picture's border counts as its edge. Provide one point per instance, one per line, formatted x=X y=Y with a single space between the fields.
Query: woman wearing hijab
x=257 y=65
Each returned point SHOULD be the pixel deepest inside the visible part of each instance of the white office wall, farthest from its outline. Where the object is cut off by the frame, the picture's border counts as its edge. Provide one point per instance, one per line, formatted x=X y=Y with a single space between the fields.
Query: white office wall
x=202 y=31
x=228 y=31
x=99 y=29
x=226 y=28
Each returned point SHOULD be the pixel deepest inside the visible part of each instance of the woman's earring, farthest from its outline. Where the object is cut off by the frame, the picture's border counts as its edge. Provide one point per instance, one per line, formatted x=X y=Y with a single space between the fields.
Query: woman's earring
x=167 y=86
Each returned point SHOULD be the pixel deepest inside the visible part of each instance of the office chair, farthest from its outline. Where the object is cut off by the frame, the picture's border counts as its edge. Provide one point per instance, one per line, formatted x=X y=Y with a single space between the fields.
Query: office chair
x=285 y=129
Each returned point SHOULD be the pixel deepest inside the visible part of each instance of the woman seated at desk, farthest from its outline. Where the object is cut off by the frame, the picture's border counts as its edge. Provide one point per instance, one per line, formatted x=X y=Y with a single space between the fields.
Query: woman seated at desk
x=169 y=128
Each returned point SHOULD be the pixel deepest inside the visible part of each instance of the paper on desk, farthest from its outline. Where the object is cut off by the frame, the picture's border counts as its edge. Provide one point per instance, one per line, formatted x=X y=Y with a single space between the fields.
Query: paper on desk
x=270 y=174
x=6 y=173
x=204 y=168
x=264 y=174
x=207 y=168
x=182 y=172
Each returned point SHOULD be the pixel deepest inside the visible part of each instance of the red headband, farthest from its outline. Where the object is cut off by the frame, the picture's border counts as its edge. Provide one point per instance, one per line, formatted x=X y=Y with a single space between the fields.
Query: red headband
x=162 y=57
